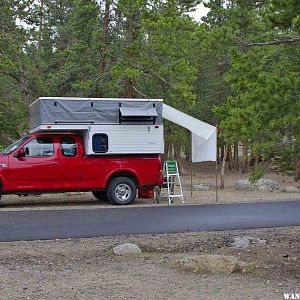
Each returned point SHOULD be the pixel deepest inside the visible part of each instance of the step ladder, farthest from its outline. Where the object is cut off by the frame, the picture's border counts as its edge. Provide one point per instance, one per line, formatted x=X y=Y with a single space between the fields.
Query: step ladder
x=171 y=172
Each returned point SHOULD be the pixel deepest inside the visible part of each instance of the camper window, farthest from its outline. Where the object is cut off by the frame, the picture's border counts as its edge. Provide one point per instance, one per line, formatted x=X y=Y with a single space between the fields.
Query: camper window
x=100 y=143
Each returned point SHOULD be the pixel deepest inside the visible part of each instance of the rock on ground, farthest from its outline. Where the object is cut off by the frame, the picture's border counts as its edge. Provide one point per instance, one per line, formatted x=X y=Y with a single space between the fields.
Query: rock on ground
x=246 y=241
x=240 y=243
x=244 y=185
x=201 y=187
x=289 y=189
x=262 y=185
x=127 y=248
x=215 y=264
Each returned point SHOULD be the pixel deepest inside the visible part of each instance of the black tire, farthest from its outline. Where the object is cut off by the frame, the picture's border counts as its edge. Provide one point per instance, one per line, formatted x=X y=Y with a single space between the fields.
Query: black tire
x=100 y=195
x=121 y=191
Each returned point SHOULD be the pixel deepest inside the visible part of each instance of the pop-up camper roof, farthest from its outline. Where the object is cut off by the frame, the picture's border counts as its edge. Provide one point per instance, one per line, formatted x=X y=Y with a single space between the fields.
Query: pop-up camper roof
x=61 y=110
x=94 y=115
x=125 y=126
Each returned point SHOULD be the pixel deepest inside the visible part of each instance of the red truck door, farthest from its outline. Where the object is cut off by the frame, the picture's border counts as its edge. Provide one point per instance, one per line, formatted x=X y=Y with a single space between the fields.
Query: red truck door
x=71 y=156
x=39 y=169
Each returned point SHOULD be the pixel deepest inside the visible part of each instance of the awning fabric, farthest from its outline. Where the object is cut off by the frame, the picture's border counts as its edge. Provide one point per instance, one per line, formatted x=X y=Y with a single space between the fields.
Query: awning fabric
x=204 y=135
x=137 y=112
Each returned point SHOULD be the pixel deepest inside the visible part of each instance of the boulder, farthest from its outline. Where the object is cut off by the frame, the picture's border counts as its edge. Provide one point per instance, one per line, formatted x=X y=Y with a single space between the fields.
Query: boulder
x=215 y=264
x=256 y=241
x=240 y=243
x=289 y=189
x=246 y=241
x=127 y=249
x=263 y=188
x=244 y=185
x=267 y=185
x=262 y=185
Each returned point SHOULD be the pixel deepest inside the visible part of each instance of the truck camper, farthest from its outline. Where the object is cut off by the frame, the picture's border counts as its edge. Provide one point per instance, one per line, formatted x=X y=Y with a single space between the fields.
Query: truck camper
x=110 y=147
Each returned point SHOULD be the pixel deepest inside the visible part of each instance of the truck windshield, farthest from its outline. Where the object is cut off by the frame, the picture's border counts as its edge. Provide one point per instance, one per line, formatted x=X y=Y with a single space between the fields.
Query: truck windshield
x=14 y=146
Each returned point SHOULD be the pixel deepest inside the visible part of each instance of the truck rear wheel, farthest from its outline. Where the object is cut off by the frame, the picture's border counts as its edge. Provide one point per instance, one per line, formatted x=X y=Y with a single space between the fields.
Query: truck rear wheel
x=100 y=195
x=121 y=191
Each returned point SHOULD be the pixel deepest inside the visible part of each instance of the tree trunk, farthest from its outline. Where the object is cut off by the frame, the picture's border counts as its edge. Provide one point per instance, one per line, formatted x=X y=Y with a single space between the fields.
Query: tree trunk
x=103 y=49
x=41 y=24
x=129 y=93
x=245 y=159
x=222 y=152
x=236 y=156
x=218 y=155
x=188 y=156
x=177 y=149
x=230 y=161
x=297 y=170
x=223 y=167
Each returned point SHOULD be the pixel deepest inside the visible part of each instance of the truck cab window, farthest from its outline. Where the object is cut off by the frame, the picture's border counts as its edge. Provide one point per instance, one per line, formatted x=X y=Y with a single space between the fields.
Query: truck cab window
x=68 y=146
x=42 y=146
x=100 y=143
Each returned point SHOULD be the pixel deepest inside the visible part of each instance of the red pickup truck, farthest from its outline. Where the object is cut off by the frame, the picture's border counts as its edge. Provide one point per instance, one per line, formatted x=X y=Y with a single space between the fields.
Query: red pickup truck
x=56 y=162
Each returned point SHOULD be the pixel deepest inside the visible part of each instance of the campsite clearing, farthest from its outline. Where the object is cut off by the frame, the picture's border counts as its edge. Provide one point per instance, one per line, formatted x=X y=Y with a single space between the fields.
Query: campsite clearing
x=87 y=268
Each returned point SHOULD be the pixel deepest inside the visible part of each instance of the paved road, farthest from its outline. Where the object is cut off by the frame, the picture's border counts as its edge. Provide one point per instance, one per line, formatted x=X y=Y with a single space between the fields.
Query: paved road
x=54 y=224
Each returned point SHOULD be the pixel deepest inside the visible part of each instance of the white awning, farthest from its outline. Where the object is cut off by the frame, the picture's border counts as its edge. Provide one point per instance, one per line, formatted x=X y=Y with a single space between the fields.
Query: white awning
x=137 y=112
x=204 y=135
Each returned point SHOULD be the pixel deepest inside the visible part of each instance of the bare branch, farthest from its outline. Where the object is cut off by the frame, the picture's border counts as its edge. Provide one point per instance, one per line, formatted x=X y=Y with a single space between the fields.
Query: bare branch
x=274 y=42
x=140 y=93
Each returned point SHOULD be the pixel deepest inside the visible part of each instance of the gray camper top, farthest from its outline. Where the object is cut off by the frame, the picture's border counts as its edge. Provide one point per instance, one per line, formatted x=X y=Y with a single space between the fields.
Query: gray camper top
x=95 y=111
x=103 y=121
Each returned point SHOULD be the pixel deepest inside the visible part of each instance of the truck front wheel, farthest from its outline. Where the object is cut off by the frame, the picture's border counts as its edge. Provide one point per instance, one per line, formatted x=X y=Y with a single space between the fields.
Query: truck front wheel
x=122 y=191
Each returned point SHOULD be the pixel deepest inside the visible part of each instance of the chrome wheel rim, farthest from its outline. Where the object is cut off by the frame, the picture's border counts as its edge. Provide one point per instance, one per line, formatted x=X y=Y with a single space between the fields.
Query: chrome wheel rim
x=123 y=192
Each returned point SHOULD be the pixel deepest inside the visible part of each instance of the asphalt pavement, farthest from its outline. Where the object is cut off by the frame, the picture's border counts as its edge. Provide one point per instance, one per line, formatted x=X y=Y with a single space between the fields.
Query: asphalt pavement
x=80 y=223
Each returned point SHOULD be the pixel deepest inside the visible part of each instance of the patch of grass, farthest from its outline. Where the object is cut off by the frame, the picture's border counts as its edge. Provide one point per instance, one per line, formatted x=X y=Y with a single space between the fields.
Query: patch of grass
x=143 y=254
x=249 y=268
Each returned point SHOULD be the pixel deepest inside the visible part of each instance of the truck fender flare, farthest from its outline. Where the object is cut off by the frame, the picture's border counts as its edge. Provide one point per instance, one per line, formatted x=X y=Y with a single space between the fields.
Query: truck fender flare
x=122 y=173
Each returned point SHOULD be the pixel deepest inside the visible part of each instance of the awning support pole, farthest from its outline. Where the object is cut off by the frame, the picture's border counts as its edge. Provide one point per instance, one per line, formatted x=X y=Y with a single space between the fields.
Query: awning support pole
x=217 y=152
x=192 y=171
x=217 y=200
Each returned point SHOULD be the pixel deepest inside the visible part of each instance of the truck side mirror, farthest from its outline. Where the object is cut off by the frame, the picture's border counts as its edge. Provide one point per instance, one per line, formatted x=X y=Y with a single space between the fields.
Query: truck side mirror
x=21 y=153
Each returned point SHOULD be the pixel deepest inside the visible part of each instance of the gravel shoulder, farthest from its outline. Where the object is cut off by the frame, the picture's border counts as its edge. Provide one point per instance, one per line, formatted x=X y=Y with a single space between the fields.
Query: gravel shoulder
x=87 y=268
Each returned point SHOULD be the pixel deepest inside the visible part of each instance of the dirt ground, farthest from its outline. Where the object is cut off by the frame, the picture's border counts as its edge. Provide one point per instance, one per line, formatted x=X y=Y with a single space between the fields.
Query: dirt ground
x=204 y=173
x=87 y=268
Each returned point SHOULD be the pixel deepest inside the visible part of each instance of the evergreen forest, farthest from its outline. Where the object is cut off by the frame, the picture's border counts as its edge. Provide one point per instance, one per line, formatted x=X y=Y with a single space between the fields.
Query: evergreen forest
x=238 y=68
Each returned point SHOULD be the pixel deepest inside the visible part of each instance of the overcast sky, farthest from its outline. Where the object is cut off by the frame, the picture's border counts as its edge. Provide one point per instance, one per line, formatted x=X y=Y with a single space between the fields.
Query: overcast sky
x=200 y=12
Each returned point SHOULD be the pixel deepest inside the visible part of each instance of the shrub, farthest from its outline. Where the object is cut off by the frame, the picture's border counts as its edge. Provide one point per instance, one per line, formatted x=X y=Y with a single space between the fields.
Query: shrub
x=256 y=174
